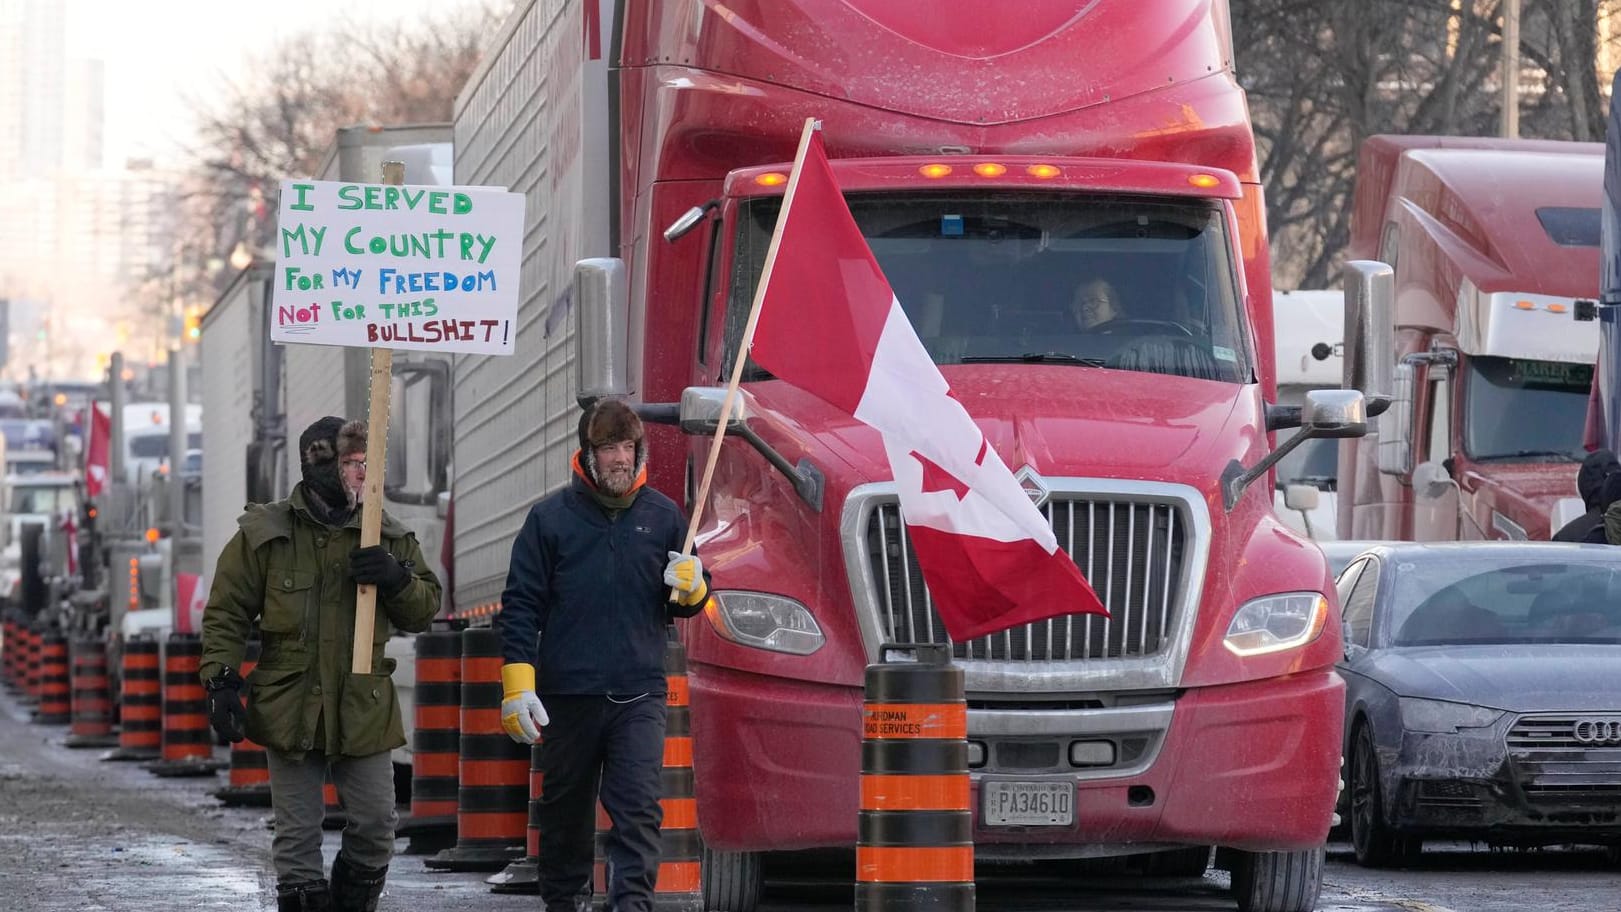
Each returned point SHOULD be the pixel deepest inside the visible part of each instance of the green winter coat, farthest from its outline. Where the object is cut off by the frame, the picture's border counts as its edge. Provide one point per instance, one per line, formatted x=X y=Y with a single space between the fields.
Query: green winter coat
x=289 y=571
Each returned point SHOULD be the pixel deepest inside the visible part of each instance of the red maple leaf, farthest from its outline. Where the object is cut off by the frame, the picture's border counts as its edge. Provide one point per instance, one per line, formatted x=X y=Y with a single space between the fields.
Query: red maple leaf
x=938 y=479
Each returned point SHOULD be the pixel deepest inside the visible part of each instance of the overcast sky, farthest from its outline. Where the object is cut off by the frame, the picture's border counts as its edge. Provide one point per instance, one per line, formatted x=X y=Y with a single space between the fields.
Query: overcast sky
x=159 y=53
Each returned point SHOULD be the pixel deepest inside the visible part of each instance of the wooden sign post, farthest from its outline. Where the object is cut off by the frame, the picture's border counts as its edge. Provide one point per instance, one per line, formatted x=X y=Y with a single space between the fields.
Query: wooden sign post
x=371 y=493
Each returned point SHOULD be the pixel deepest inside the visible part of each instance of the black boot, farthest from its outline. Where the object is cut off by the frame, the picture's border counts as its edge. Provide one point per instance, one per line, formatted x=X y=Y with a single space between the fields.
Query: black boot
x=354 y=888
x=308 y=896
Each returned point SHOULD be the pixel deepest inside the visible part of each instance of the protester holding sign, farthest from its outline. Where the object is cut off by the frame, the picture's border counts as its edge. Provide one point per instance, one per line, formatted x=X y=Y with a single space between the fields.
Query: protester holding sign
x=590 y=574
x=293 y=567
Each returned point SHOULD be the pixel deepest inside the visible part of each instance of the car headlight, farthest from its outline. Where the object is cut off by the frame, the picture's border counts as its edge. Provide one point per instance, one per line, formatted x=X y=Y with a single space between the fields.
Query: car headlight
x=1276 y=622
x=1444 y=716
x=764 y=621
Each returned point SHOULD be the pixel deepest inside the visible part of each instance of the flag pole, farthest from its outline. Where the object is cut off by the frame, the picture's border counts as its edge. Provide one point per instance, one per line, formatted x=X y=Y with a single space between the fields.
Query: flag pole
x=811 y=126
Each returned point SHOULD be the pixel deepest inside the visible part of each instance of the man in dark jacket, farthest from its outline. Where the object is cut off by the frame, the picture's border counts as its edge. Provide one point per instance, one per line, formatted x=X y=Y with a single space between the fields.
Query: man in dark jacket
x=292 y=567
x=591 y=573
x=1589 y=483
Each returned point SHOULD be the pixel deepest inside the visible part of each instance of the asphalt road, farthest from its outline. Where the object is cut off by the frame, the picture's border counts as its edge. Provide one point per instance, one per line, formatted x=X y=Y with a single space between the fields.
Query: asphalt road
x=80 y=834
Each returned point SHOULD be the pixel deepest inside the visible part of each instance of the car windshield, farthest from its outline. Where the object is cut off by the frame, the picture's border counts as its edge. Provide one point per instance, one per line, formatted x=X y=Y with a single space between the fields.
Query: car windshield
x=1526 y=410
x=1472 y=600
x=1015 y=277
x=52 y=500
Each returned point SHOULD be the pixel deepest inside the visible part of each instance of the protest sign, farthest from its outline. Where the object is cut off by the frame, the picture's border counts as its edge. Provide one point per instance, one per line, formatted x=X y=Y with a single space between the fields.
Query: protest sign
x=393 y=266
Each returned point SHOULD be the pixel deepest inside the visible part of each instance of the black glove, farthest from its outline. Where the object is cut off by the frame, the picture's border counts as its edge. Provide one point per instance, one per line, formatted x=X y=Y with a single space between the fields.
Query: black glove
x=225 y=711
x=374 y=566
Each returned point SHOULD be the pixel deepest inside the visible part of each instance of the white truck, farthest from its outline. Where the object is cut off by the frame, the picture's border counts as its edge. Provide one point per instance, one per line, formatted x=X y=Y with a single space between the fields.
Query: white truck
x=1309 y=331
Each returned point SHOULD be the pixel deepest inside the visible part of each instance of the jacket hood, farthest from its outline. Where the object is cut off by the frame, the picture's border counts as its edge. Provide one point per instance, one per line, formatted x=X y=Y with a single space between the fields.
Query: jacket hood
x=1590 y=477
x=1519 y=678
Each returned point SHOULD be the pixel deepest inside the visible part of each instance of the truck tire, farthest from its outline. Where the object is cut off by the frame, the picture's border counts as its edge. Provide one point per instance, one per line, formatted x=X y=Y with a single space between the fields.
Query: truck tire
x=1377 y=844
x=1277 y=881
x=732 y=881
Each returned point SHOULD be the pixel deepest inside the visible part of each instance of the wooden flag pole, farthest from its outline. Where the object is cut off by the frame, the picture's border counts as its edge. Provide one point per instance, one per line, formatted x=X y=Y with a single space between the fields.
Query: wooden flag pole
x=371 y=507
x=811 y=126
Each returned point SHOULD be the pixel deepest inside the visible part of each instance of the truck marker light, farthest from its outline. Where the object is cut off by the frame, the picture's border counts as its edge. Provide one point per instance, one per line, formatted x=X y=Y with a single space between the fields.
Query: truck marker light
x=1557 y=308
x=934 y=170
x=1042 y=171
x=152 y=535
x=1204 y=181
x=990 y=169
x=771 y=179
x=1524 y=305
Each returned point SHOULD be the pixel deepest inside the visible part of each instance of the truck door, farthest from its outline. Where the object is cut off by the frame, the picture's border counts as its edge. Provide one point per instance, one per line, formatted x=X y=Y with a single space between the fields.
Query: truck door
x=1435 y=518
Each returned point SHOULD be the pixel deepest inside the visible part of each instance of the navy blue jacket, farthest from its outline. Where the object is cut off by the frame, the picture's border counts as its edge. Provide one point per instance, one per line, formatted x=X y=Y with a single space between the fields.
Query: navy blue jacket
x=593 y=589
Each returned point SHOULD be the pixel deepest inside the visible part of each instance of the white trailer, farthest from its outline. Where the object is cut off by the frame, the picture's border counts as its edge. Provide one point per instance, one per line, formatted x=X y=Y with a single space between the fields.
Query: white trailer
x=531 y=119
x=1308 y=329
x=232 y=351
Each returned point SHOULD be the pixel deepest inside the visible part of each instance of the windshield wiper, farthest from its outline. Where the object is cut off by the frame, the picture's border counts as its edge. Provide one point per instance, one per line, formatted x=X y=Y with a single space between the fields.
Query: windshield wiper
x=1562 y=455
x=1032 y=358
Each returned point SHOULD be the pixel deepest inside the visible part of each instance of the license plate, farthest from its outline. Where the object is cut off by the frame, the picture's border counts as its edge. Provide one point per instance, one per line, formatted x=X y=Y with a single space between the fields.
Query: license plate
x=1027 y=803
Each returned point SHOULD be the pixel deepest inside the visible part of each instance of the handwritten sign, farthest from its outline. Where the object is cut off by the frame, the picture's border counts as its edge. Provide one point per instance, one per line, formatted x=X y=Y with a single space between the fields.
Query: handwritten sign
x=375 y=266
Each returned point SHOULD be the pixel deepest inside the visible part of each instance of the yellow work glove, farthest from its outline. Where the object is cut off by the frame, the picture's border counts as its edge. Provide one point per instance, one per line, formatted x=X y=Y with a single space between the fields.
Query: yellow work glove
x=522 y=716
x=685 y=574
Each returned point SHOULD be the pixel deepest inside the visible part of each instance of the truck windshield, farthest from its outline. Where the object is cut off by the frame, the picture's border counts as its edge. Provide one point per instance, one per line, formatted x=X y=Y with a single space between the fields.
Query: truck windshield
x=1124 y=283
x=43 y=500
x=1528 y=410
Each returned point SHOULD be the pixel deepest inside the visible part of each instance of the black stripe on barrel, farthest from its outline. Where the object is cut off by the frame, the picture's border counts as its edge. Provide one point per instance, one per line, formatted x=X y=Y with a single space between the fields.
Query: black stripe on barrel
x=493 y=770
x=55 y=700
x=31 y=666
x=11 y=653
x=914 y=847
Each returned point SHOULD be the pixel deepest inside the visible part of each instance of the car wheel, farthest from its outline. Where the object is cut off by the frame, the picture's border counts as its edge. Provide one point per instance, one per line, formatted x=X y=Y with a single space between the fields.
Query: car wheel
x=732 y=881
x=1277 y=881
x=1376 y=842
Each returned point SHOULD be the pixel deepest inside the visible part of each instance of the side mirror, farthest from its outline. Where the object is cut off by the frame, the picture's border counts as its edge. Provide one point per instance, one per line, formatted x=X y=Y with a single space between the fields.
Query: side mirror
x=1370 y=300
x=1302 y=498
x=603 y=341
x=1395 y=425
x=1326 y=414
x=700 y=409
x=1431 y=480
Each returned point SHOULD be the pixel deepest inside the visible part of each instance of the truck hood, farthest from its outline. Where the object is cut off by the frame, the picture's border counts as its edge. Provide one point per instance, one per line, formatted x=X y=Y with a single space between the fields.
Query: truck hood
x=1523 y=493
x=1059 y=420
x=1520 y=678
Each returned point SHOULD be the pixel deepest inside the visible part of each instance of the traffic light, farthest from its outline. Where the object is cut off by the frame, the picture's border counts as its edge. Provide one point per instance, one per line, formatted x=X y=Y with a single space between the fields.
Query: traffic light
x=194 y=326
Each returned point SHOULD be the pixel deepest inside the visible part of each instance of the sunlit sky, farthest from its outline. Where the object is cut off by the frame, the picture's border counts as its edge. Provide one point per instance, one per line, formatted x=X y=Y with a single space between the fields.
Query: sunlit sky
x=161 y=52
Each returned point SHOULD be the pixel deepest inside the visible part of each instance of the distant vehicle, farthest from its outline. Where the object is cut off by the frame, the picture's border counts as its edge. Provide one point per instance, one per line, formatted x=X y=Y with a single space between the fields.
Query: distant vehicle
x=1481 y=695
x=30 y=446
x=146 y=437
x=46 y=498
x=1308 y=328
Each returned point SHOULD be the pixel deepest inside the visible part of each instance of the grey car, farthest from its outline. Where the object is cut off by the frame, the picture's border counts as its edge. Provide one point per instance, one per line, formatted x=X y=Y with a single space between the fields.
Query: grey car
x=1483 y=699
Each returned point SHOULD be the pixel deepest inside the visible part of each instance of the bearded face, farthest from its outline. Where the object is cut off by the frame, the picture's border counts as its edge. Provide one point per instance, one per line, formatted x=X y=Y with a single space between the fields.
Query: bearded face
x=615 y=465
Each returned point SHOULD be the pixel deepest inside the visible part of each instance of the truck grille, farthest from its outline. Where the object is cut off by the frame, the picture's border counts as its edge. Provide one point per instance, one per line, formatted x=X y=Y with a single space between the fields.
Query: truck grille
x=1132 y=551
x=1550 y=762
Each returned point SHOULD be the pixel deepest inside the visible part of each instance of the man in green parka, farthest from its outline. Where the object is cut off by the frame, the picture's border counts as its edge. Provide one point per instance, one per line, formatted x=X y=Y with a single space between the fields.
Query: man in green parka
x=292 y=567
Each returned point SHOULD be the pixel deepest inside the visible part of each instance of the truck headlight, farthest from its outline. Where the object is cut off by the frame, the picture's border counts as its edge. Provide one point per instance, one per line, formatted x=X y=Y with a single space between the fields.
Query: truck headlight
x=1444 y=716
x=764 y=621
x=1276 y=622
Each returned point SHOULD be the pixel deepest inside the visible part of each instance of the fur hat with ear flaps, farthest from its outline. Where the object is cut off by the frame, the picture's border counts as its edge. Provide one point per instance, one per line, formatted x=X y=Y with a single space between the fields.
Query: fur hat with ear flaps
x=608 y=421
x=352 y=439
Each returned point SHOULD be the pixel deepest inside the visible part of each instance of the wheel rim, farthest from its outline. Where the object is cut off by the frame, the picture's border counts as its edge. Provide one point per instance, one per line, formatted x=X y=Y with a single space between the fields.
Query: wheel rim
x=1364 y=794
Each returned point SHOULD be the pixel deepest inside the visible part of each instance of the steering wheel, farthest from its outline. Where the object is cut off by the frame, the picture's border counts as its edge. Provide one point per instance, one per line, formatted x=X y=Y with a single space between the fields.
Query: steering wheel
x=1131 y=327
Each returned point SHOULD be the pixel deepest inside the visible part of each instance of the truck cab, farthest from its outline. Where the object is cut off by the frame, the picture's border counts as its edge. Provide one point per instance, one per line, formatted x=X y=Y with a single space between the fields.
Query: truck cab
x=1485 y=342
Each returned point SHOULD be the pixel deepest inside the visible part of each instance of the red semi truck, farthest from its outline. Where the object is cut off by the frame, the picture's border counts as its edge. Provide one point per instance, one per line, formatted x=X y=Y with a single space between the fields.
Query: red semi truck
x=1065 y=200
x=1487 y=343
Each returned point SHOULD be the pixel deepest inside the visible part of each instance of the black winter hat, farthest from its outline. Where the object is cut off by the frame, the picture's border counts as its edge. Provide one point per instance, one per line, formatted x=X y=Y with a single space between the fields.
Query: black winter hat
x=319 y=442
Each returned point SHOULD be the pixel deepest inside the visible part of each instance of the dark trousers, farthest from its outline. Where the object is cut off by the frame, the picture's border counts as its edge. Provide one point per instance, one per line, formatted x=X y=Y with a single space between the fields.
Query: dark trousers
x=619 y=746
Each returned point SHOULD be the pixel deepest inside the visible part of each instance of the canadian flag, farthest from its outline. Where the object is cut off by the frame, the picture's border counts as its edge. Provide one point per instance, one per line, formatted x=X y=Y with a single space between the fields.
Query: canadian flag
x=97 y=450
x=191 y=597
x=829 y=323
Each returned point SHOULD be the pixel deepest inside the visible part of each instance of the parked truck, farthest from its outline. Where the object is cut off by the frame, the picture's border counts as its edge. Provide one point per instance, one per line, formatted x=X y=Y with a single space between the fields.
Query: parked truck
x=1308 y=327
x=999 y=167
x=1487 y=342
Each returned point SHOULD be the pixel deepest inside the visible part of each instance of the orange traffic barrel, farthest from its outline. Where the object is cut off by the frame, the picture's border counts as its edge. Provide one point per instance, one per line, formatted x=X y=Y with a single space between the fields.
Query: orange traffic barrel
x=523 y=875
x=31 y=665
x=140 y=712
x=335 y=818
x=188 y=741
x=679 y=887
x=91 y=695
x=435 y=740
x=55 y=697
x=493 y=769
x=11 y=653
x=248 y=784
x=914 y=843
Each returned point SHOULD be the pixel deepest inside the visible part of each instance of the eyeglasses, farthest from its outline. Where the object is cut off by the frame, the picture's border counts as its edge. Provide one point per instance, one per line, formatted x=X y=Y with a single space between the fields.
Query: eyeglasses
x=354 y=464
